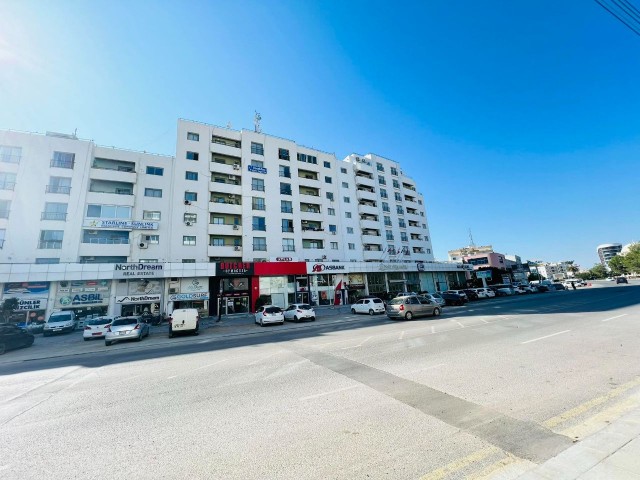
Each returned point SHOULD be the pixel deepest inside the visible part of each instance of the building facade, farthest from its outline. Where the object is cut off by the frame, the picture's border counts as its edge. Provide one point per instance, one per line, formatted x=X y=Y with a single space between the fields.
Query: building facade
x=234 y=215
x=607 y=251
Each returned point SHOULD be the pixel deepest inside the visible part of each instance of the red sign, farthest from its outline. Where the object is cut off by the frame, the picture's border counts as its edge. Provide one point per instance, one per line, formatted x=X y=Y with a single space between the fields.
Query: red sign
x=234 y=268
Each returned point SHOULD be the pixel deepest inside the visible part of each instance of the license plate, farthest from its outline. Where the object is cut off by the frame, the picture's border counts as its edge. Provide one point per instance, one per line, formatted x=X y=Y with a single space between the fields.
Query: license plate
x=179 y=325
x=123 y=332
x=57 y=329
x=94 y=334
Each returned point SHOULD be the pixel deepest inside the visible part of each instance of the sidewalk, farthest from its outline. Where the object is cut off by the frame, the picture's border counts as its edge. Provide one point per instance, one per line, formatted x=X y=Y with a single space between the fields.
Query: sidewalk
x=613 y=453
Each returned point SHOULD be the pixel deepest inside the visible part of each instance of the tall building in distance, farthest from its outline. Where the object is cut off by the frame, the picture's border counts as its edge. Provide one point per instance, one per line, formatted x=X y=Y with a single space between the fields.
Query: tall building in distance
x=607 y=251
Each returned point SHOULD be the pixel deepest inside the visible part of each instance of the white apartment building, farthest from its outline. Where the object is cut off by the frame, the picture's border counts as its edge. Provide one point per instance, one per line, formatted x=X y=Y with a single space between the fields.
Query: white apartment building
x=235 y=215
x=607 y=251
x=553 y=271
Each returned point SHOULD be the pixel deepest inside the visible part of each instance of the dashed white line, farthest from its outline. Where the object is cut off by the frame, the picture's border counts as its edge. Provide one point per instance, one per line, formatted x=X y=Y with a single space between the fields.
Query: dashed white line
x=546 y=336
x=461 y=325
x=482 y=319
x=612 y=318
x=211 y=364
x=401 y=336
x=433 y=329
x=327 y=393
x=360 y=344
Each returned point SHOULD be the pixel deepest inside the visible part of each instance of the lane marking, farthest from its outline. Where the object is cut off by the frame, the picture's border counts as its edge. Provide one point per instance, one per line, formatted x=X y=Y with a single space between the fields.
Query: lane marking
x=484 y=320
x=211 y=364
x=602 y=419
x=494 y=467
x=433 y=329
x=460 y=463
x=359 y=345
x=264 y=358
x=461 y=325
x=401 y=335
x=330 y=392
x=546 y=336
x=612 y=318
x=426 y=368
x=582 y=408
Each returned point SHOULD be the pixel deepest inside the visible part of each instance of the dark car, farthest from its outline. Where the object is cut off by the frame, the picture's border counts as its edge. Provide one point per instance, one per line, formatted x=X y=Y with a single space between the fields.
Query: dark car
x=543 y=288
x=559 y=286
x=12 y=337
x=621 y=280
x=452 y=298
x=471 y=294
x=151 y=319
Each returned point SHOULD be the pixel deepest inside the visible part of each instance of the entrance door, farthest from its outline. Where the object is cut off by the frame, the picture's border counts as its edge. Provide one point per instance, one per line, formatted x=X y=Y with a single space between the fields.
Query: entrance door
x=233 y=305
x=302 y=297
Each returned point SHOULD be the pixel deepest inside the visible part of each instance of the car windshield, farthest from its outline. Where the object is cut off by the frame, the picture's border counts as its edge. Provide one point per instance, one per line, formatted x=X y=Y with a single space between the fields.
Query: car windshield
x=98 y=321
x=304 y=306
x=60 y=318
x=125 y=321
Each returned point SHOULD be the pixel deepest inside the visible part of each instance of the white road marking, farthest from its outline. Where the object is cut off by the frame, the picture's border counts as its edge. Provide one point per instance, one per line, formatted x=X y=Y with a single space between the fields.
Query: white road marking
x=612 y=318
x=360 y=344
x=427 y=368
x=546 y=336
x=211 y=364
x=433 y=329
x=401 y=335
x=461 y=325
x=265 y=358
x=327 y=393
x=173 y=376
x=484 y=320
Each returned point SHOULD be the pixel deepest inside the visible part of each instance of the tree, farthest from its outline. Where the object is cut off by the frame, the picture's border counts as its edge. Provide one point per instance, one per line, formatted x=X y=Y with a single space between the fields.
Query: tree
x=632 y=258
x=7 y=308
x=617 y=266
x=598 y=271
x=571 y=268
x=534 y=277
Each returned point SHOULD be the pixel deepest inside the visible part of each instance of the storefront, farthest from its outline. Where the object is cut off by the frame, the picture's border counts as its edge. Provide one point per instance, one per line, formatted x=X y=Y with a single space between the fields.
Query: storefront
x=281 y=283
x=231 y=288
x=137 y=296
x=32 y=298
x=84 y=297
x=189 y=292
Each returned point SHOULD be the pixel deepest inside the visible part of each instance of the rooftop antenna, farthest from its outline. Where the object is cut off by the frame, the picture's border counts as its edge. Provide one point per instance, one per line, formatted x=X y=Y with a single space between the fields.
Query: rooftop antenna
x=471 y=244
x=256 y=122
x=229 y=126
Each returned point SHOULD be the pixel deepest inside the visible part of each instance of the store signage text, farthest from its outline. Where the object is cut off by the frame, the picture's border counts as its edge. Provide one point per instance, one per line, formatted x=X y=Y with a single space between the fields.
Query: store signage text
x=234 y=268
x=125 y=224
x=189 y=296
x=321 y=267
x=138 y=270
x=138 y=298
x=32 y=304
x=84 y=299
x=255 y=169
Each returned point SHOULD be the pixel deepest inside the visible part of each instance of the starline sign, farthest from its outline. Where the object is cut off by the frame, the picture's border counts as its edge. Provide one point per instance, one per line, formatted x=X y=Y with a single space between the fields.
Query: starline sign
x=321 y=267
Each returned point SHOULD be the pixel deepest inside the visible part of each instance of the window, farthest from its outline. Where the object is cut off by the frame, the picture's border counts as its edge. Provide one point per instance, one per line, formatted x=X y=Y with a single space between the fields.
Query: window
x=403 y=237
x=193 y=156
x=428 y=250
x=347 y=200
x=154 y=239
x=54 y=211
x=257 y=148
x=419 y=202
x=389 y=235
x=345 y=185
x=193 y=136
x=108 y=211
x=5 y=207
x=258 y=223
x=191 y=176
x=380 y=167
x=394 y=171
x=287 y=225
x=190 y=218
x=387 y=221
x=334 y=245
x=328 y=180
x=400 y=210
x=63 y=159
x=426 y=238
x=257 y=184
x=257 y=163
x=398 y=197
x=349 y=229
x=331 y=211
x=385 y=207
x=285 y=171
x=47 y=261
x=216 y=242
x=153 y=192
x=302 y=157
x=343 y=170
x=155 y=171
x=7 y=181
x=285 y=188
x=333 y=229
x=352 y=246
x=257 y=203
x=188 y=260
x=327 y=164
x=151 y=215
x=216 y=220
x=59 y=185
x=288 y=245
x=190 y=196
x=347 y=214
x=283 y=154
x=10 y=154
x=383 y=193
x=396 y=184
x=188 y=240
x=401 y=223
x=329 y=196
x=259 y=244
x=391 y=249
x=286 y=206
x=51 y=239
x=148 y=260
x=381 y=180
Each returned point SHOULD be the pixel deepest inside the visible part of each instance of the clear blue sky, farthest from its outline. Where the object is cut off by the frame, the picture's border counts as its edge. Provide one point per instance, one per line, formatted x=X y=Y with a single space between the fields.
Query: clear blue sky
x=518 y=120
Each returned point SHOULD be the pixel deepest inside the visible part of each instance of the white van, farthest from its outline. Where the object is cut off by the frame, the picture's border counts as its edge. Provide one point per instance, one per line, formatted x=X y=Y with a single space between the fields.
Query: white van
x=58 y=322
x=184 y=320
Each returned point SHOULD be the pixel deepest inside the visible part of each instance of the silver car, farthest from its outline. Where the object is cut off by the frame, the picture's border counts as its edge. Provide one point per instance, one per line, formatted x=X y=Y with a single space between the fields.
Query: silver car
x=435 y=297
x=414 y=306
x=126 y=328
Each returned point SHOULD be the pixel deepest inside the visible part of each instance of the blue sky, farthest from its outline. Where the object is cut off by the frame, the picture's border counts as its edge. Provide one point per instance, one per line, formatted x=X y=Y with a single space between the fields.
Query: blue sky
x=518 y=120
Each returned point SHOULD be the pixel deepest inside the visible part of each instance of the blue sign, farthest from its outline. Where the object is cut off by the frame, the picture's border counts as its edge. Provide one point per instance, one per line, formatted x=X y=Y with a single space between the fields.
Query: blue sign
x=254 y=169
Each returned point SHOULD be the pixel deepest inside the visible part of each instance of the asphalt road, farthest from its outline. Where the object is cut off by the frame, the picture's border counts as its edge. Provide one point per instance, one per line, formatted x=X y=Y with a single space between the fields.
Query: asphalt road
x=493 y=388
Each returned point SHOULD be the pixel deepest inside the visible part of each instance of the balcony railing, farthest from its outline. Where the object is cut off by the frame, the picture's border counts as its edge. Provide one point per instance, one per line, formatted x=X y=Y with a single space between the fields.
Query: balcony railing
x=287 y=229
x=7 y=185
x=118 y=168
x=53 y=216
x=286 y=209
x=51 y=244
x=61 y=163
x=258 y=188
x=117 y=191
x=7 y=158
x=259 y=248
x=107 y=241
x=58 y=189
x=4 y=213
x=288 y=248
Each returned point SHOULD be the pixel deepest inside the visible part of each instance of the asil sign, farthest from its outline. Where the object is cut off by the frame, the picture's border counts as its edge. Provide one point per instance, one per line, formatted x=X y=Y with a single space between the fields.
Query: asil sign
x=81 y=299
x=324 y=267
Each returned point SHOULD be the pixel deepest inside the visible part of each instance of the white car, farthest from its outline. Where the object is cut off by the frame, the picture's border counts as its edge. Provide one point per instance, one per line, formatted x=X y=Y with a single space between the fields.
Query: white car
x=434 y=297
x=485 y=293
x=269 y=314
x=96 y=327
x=300 y=311
x=368 y=305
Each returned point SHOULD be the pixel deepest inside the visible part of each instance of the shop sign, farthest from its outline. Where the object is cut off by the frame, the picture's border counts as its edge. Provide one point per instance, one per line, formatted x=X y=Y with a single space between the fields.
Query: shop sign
x=392 y=267
x=189 y=296
x=255 y=169
x=154 y=298
x=25 y=289
x=134 y=270
x=25 y=304
x=283 y=259
x=124 y=224
x=327 y=267
x=144 y=285
x=194 y=285
x=234 y=268
x=420 y=266
x=81 y=299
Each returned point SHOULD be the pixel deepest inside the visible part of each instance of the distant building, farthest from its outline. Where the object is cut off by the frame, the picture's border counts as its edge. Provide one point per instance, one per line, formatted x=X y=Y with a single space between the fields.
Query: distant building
x=459 y=254
x=553 y=271
x=513 y=263
x=607 y=251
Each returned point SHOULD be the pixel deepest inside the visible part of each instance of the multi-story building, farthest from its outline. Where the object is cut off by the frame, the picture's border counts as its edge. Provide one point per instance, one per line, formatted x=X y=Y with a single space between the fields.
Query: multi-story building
x=553 y=271
x=459 y=254
x=607 y=251
x=235 y=215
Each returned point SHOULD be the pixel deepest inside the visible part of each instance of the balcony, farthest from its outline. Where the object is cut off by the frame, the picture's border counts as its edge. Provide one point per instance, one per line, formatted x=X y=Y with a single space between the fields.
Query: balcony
x=366 y=195
x=224 y=251
x=307 y=175
x=310 y=208
x=230 y=206
x=313 y=192
x=370 y=224
x=50 y=244
x=408 y=186
x=308 y=226
x=225 y=188
x=58 y=189
x=312 y=244
x=225 y=146
x=111 y=187
x=53 y=216
x=6 y=185
x=412 y=211
x=367 y=208
x=225 y=229
x=226 y=169
x=373 y=253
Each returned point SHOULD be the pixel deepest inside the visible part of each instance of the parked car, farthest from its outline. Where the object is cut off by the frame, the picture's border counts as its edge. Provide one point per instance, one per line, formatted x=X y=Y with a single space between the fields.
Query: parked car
x=96 y=327
x=31 y=326
x=503 y=291
x=471 y=294
x=12 y=337
x=405 y=294
x=300 y=311
x=621 y=280
x=126 y=328
x=452 y=298
x=269 y=314
x=543 y=288
x=184 y=320
x=559 y=286
x=412 y=306
x=368 y=305
x=60 y=322
x=151 y=319
x=485 y=293
x=459 y=292
x=436 y=297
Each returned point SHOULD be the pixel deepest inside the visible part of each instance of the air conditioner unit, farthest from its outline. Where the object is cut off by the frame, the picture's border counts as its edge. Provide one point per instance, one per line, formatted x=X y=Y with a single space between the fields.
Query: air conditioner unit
x=143 y=245
x=187 y=202
x=232 y=177
x=173 y=290
x=188 y=224
x=236 y=166
x=92 y=232
x=236 y=248
x=236 y=227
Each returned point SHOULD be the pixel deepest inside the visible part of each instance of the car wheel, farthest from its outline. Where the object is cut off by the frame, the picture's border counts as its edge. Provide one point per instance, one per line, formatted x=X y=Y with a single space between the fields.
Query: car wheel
x=408 y=316
x=313 y=319
x=370 y=312
x=295 y=318
x=3 y=348
x=261 y=323
x=86 y=339
x=107 y=343
x=436 y=312
x=45 y=334
x=353 y=310
x=139 y=339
